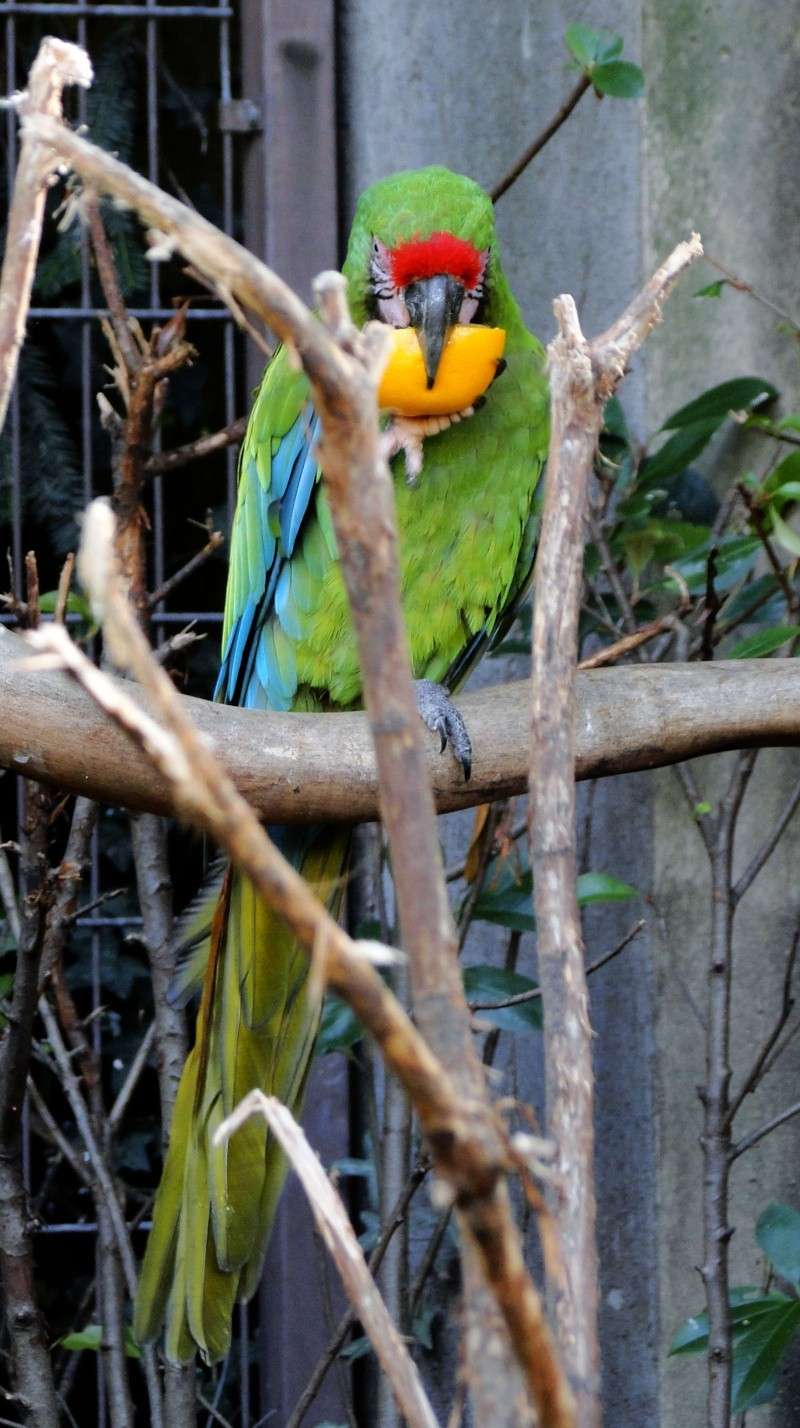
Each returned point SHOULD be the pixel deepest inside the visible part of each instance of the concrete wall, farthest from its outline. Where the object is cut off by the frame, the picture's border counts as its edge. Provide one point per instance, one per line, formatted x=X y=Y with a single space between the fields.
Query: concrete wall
x=714 y=147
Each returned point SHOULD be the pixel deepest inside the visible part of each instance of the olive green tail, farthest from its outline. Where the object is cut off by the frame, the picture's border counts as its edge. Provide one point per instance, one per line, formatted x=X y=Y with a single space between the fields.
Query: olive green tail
x=256 y=1027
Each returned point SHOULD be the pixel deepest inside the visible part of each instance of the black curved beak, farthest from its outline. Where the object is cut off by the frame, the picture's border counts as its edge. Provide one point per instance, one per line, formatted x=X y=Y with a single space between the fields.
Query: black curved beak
x=433 y=307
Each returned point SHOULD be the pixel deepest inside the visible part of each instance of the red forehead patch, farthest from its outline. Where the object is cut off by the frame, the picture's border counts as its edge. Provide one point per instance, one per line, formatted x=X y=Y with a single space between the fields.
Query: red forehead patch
x=441 y=253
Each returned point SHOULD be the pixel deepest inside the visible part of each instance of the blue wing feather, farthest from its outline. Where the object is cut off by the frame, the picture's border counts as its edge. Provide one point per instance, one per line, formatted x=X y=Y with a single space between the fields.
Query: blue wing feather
x=258 y=666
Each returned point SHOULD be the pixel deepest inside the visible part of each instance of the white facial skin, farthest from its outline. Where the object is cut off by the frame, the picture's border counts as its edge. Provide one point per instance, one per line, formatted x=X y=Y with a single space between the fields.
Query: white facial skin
x=391 y=300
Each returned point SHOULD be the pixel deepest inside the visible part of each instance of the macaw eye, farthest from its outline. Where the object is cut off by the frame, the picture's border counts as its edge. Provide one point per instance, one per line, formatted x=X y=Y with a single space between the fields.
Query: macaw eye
x=376 y=247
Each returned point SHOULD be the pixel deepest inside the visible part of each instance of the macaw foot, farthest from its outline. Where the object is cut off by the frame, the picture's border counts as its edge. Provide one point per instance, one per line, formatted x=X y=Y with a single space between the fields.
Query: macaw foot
x=407 y=434
x=439 y=713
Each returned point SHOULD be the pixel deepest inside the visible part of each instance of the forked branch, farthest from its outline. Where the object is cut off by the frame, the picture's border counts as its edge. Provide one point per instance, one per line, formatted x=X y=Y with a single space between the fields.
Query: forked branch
x=583 y=375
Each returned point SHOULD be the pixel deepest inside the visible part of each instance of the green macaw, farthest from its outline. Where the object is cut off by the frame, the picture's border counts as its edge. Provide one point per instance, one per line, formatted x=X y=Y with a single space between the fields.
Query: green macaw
x=422 y=252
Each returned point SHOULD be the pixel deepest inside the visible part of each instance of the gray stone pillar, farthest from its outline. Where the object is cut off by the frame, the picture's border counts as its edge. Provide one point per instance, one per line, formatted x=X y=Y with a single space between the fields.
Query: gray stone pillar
x=714 y=147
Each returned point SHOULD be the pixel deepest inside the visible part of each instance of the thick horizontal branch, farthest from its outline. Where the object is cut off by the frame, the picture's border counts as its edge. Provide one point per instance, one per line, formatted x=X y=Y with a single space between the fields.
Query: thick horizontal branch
x=306 y=767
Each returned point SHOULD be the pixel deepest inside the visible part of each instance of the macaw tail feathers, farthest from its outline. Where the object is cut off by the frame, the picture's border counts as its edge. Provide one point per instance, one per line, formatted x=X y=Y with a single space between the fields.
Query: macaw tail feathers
x=256 y=1027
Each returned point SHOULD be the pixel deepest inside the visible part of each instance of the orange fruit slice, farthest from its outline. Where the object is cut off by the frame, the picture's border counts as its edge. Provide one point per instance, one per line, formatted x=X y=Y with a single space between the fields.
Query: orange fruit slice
x=468 y=365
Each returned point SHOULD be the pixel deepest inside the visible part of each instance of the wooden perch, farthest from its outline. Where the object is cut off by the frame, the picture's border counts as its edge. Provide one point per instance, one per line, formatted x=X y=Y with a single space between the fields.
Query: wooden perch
x=306 y=767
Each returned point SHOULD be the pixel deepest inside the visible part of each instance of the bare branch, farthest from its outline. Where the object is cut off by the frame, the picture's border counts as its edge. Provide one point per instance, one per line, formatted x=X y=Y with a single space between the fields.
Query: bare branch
x=57 y=65
x=161 y=463
x=536 y=146
x=623 y=646
x=307 y=767
x=535 y=993
x=755 y=1136
x=30 y=1359
x=762 y=1062
x=135 y=1070
x=337 y=1232
x=216 y=539
x=393 y=1223
x=769 y=845
x=464 y=1135
x=582 y=377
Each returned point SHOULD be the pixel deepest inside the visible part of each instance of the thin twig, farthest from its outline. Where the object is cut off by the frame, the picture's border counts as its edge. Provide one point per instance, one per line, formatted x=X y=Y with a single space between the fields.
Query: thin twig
x=156 y=596
x=535 y=147
x=163 y=462
x=758 y=1070
x=712 y=604
x=348 y=1319
x=626 y=643
x=62 y=594
x=130 y=1083
x=520 y=998
x=755 y=1136
x=768 y=847
x=757 y=517
x=107 y=273
x=8 y=895
x=743 y=287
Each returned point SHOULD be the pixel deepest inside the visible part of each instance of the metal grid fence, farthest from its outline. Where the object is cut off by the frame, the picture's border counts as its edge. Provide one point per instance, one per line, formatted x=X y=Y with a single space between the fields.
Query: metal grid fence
x=91 y=25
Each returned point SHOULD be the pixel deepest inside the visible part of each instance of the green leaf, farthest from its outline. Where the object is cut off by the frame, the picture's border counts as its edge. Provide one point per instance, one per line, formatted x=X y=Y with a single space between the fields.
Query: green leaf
x=679 y=450
x=583 y=43
x=742 y=393
x=92 y=1337
x=592 y=47
x=357 y=1349
x=742 y=601
x=603 y=887
x=620 y=79
x=746 y=1303
x=615 y=422
x=789 y=491
x=507 y=896
x=778 y=1235
x=422 y=1325
x=483 y=983
x=76 y=604
x=714 y=290
x=785 y=536
x=735 y=556
x=762 y=644
x=787 y=472
x=339 y=1028
x=758 y=1353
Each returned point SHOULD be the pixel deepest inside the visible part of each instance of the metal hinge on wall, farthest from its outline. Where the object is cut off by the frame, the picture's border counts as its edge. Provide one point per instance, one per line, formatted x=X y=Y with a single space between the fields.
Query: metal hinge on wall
x=240 y=116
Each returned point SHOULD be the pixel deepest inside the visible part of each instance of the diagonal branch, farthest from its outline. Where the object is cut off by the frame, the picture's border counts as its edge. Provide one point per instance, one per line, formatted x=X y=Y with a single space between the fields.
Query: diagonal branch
x=466 y=1140
x=337 y=1232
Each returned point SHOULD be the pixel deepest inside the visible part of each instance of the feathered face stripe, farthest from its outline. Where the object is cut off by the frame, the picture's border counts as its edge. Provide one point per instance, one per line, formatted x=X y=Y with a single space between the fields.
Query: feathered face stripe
x=441 y=253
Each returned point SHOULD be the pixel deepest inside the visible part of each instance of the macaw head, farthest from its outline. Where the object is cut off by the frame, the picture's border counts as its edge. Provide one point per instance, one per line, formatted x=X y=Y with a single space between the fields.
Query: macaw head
x=423 y=254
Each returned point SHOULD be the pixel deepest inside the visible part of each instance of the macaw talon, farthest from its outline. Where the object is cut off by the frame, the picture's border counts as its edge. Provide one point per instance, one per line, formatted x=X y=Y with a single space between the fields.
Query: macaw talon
x=439 y=714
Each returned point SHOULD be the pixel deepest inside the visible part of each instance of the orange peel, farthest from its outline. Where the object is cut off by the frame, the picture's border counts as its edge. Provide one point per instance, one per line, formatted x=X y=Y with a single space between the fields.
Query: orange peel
x=468 y=366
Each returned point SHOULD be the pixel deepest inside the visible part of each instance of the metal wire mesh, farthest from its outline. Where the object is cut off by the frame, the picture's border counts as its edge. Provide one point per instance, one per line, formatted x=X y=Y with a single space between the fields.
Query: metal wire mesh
x=206 y=29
